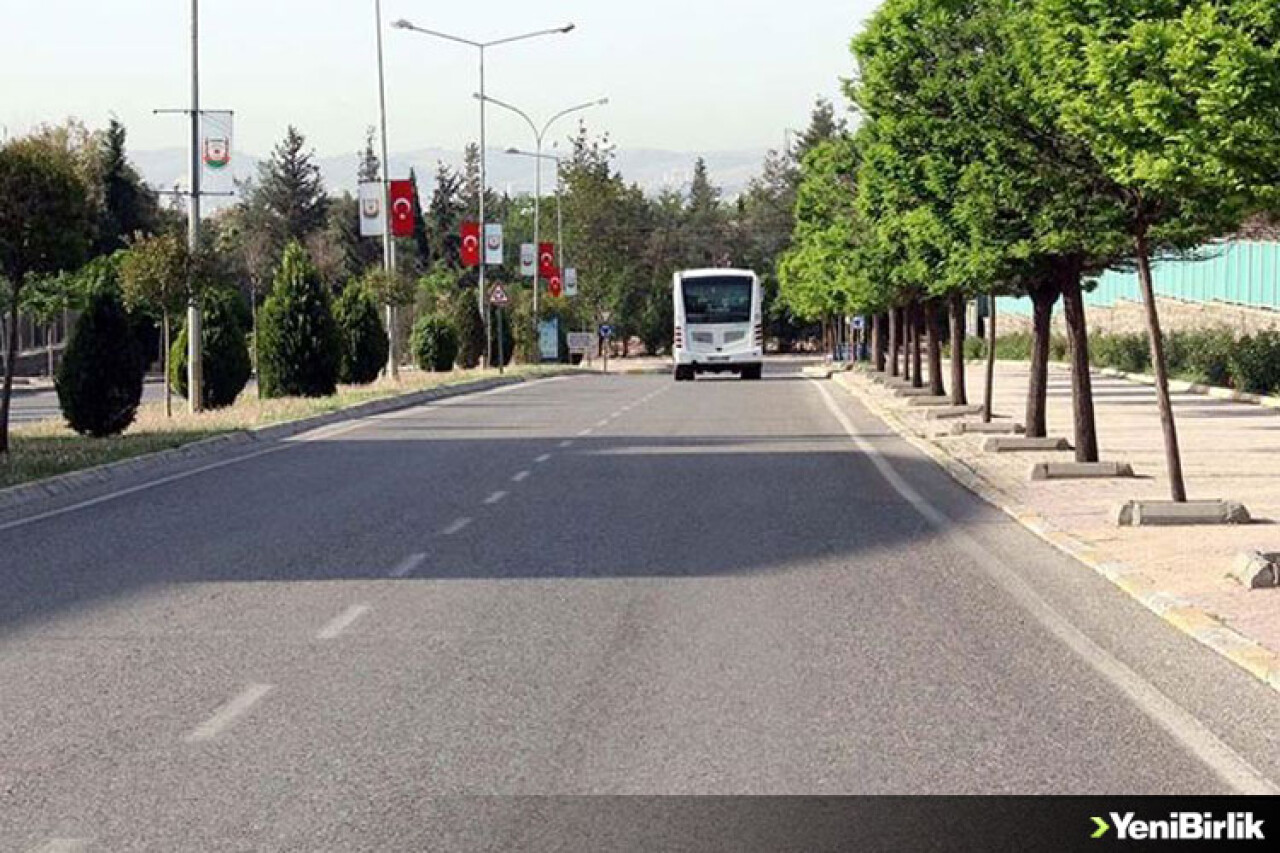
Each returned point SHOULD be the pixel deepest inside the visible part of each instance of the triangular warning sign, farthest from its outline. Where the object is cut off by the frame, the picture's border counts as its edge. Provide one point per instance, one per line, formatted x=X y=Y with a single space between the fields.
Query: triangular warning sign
x=498 y=296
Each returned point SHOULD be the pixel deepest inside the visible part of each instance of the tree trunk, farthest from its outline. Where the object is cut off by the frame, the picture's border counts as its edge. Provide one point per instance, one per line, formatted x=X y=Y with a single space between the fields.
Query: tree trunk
x=1042 y=299
x=168 y=388
x=988 y=403
x=895 y=332
x=1173 y=457
x=934 y=324
x=48 y=345
x=917 y=359
x=1086 y=430
x=959 y=388
x=909 y=372
x=10 y=365
x=877 y=340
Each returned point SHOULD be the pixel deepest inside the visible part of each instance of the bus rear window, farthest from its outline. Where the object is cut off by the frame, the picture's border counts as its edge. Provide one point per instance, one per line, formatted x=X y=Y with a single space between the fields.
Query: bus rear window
x=725 y=299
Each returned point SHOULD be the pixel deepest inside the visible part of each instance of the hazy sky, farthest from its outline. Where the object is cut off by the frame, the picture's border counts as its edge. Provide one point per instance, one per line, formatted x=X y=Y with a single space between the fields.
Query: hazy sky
x=682 y=74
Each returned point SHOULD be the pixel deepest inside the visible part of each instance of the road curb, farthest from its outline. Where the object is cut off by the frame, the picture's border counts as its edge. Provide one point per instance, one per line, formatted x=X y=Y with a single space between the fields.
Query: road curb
x=16 y=497
x=1200 y=624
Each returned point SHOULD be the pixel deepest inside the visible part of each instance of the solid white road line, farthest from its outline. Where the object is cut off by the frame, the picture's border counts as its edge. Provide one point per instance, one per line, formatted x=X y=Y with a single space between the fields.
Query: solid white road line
x=543 y=459
x=318 y=434
x=1232 y=768
x=62 y=845
x=496 y=497
x=457 y=527
x=229 y=713
x=342 y=622
x=521 y=477
x=407 y=565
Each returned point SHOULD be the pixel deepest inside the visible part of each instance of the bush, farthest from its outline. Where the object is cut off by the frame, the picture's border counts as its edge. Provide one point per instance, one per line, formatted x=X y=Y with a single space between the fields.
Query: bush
x=364 y=342
x=1202 y=356
x=1129 y=353
x=434 y=343
x=298 y=346
x=468 y=323
x=225 y=350
x=1255 y=363
x=100 y=379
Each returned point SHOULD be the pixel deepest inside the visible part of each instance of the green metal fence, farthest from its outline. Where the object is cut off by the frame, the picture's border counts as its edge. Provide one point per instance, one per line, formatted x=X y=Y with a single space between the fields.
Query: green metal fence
x=1244 y=273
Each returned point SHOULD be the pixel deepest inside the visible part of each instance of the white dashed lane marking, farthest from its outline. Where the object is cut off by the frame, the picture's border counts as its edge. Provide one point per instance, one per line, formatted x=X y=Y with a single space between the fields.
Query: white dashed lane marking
x=229 y=713
x=342 y=622
x=496 y=497
x=62 y=845
x=543 y=459
x=457 y=527
x=406 y=566
x=521 y=477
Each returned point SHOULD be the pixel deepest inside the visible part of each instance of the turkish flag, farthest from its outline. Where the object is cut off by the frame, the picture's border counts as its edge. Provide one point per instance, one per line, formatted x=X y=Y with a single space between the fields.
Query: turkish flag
x=555 y=284
x=471 y=244
x=547 y=260
x=402 y=208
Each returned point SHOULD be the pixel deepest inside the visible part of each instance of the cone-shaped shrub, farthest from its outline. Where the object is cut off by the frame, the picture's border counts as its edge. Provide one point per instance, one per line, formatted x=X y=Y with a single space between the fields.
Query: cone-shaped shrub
x=100 y=379
x=298 y=348
x=434 y=343
x=226 y=363
x=365 y=344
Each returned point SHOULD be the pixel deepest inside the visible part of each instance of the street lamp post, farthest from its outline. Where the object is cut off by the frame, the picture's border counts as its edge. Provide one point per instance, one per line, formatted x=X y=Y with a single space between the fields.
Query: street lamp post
x=539 y=134
x=388 y=245
x=482 y=47
x=559 y=214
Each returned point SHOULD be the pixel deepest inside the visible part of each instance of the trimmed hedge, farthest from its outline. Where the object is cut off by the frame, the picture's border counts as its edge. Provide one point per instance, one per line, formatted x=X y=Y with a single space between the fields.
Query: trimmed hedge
x=434 y=343
x=99 y=381
x=1207 y=356
x=365 y=345
x=225 y=349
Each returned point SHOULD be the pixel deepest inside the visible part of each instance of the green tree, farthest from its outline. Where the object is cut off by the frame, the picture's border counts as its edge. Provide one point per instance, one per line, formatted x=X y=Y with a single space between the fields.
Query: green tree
x=298 y=346
x=129 y=207
x=46 y=224
x=224 y=349
x=158 y=275
x=1179 y=104
x=290 y=191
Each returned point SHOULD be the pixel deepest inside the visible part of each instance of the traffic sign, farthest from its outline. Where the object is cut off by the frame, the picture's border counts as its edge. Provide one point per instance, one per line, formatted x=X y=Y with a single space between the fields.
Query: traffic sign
x=580 y=342
x=606 y=331
x=498 y=296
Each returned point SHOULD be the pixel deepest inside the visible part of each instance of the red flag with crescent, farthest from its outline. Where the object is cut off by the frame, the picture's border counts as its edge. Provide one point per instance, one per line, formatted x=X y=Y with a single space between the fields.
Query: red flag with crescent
x=471 y=244
x=402 y=208
x=555 y=284
x=547 y=260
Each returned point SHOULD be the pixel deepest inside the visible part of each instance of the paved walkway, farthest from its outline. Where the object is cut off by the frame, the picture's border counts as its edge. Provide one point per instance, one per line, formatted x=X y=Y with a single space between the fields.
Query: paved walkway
x=1230 y=450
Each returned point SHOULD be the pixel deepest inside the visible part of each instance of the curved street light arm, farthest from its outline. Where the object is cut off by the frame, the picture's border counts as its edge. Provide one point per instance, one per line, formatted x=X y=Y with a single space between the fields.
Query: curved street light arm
x=497 y=103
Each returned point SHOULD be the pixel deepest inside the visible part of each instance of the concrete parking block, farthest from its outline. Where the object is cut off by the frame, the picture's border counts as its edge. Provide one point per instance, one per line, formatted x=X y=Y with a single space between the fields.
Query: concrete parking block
x=1257 y=570
x=993 y=428
x=952 y=412
x=1080 y=470
x=926 y=401
x=1171 y=514
x=1022 y=444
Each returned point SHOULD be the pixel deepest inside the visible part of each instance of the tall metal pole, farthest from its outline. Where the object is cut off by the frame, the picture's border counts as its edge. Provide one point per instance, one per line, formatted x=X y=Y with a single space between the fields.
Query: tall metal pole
x=537 y=237
x=560 y=247
x=484 y=307
x=388 y=245
x=195 y=371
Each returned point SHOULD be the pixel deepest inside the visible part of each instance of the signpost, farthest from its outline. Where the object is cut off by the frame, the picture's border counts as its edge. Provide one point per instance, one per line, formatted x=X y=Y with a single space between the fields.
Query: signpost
x=499 y=299
x=606 y=333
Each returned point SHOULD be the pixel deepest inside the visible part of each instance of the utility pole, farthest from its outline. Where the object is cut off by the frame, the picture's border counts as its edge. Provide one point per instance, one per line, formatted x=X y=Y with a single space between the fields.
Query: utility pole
x=484 y=186
x=195 y=335
x=388 y=245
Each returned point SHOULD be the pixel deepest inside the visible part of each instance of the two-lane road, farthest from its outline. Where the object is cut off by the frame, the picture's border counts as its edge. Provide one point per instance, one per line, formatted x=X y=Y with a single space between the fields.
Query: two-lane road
x=581 y=586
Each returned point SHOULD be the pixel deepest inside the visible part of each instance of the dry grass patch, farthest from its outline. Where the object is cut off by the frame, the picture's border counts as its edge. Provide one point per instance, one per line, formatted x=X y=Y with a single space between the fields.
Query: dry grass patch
x=50 y=448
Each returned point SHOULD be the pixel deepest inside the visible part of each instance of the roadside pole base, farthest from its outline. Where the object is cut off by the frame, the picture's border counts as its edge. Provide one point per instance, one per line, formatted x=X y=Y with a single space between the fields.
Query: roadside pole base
x=951 y=412
x=1021 y=444
x=1080 y=471
x=1170 y=514
x=993 y=428
x=1257 y=570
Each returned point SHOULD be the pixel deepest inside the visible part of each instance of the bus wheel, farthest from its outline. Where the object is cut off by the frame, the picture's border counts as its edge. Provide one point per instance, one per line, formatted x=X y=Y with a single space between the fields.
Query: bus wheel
x=684 y=373
x=752 y=372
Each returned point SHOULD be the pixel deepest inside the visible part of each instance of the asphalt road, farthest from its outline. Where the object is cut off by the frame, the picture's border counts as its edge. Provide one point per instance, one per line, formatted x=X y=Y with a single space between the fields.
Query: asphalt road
x=592 y=585
x=30 y=405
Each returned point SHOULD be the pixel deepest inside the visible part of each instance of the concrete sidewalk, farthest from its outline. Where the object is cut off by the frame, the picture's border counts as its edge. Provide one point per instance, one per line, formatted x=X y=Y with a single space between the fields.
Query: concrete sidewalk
x=1231 y=450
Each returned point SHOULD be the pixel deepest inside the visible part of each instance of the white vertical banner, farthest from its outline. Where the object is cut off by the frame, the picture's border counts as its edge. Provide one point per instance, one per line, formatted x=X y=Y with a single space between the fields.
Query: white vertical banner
x=528 y=260
x=493 y=245
x=216 y=132
x=373 y=209
x=570 y=282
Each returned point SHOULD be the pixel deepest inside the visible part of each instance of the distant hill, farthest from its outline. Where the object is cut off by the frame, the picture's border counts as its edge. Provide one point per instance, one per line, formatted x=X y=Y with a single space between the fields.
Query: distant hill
x=654 y=170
